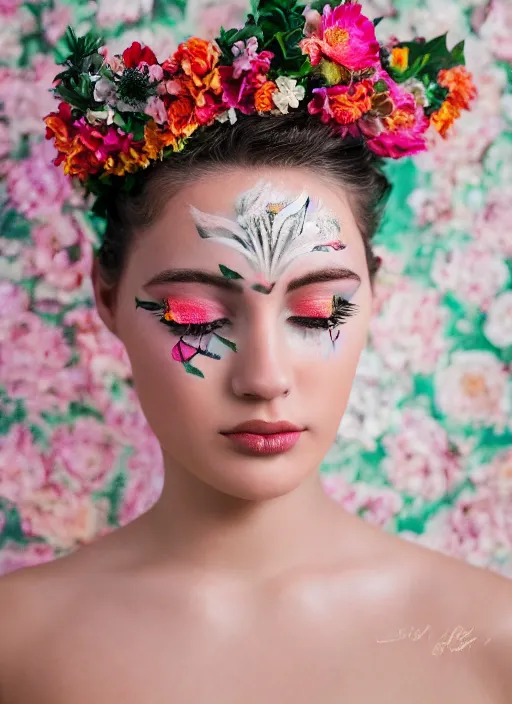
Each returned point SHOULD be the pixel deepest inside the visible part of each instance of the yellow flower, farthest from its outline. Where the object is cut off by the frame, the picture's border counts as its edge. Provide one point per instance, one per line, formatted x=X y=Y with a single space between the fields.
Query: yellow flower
x=400 y=58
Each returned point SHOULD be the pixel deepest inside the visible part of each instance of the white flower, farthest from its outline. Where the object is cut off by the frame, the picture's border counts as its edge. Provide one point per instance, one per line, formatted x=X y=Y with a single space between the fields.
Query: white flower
x=105 y=91
x=288 y=94
x=95 y=117
x=498 y=326
x=229 y=114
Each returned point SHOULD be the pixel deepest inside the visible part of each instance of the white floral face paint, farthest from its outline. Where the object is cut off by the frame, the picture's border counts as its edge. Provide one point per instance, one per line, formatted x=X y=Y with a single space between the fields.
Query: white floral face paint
x=271 y=230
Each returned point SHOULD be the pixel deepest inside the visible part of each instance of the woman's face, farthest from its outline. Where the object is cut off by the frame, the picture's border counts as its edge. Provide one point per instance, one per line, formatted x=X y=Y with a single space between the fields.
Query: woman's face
x=247 y=300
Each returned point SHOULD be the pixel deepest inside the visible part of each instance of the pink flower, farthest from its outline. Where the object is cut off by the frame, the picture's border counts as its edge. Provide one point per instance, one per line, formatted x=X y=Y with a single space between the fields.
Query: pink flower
x=181 y=352
x=17 y=556
x=22 y=469
x=114 y=141
x=55 y=22
x=473 y=389
x=36 y=188
x=13 y=301
x=156 y=109
x=409 y=333
x=84 y=454
x=64 y=517
x=8 y=8
x=420 y=460
x=248 y=72
x=474 y=273
x=346 y=37
x=403 y=132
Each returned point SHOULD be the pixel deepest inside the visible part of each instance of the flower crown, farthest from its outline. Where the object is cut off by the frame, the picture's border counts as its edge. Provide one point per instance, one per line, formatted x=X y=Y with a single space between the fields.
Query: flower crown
x=121 y=113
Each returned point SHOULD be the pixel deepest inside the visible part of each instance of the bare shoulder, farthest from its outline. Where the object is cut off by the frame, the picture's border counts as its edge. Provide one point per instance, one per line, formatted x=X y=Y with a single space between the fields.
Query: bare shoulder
x=471 y=609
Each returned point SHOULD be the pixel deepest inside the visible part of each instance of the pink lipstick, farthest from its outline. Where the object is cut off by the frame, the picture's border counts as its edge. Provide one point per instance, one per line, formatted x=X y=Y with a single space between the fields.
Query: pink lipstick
x=256 y=437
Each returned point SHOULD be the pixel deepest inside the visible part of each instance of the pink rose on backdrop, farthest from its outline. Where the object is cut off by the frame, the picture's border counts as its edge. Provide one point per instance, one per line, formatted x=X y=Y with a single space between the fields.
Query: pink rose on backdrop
x=211 y=18
x=64 y=517
x=474 y=389
x=496 y=476
x=378 y=505
x=101 y=353
x=498 y=324
x=8 y=8
x=36 y=187
x=471 y=272
x=492 y=226
x=85 y=455
x=22 y=469
x=408 y=334
x=25 y=97
x=33 y=359
x=497 y=29
x=14 y=556
x=144 y=475
x=13 y=301
x=114 y=12
x=477 y=529
x=55 y=22
x=420 y=460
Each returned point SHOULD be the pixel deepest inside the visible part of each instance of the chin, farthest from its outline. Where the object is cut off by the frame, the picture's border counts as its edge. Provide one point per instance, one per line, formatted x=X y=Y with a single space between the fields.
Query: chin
x=257 y=479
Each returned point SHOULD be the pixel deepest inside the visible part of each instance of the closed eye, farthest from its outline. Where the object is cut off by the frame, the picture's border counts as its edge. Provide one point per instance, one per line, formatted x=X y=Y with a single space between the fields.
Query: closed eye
x=194 y=329
x=342 y=310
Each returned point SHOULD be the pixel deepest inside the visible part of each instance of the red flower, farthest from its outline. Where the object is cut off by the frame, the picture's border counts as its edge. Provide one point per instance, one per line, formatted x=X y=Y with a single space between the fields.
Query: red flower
x=137 y=54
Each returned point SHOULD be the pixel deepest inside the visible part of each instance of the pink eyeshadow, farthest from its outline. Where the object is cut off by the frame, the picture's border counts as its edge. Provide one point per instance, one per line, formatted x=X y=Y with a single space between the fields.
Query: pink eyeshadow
x=192 y=312
x=313 y=308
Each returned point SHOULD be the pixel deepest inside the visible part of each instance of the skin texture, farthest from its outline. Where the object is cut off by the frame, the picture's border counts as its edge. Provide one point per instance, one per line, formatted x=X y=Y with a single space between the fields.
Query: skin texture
x=245 y=581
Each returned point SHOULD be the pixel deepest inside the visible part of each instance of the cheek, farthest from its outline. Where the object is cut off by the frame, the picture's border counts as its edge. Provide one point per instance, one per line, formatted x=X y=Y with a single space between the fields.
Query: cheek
x=316 y=342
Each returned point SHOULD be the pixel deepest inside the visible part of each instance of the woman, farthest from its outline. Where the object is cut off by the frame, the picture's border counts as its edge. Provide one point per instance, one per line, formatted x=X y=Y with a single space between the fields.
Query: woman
x=242 y=190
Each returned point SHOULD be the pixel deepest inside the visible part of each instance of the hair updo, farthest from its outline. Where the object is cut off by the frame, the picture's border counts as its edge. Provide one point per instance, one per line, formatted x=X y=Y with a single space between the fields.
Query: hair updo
x=294 y=140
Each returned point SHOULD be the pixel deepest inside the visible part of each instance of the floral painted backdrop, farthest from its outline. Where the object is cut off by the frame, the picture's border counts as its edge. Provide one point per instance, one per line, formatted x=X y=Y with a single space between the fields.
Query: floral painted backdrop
x=425 y=447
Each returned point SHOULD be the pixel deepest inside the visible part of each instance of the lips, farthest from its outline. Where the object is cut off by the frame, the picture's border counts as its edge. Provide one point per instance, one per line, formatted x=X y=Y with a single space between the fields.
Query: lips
x=261 y=427
x=257 y=437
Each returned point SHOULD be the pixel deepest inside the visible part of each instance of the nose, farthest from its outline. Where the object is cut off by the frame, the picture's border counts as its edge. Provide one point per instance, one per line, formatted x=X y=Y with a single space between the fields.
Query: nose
x=261 y=368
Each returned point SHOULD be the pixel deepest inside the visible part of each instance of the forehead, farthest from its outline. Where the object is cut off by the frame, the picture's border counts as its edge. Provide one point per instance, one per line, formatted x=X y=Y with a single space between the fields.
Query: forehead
x=181 y=235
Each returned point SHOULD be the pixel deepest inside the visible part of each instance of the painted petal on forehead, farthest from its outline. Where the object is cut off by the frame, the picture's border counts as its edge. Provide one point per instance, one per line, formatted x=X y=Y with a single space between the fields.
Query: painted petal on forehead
x=272 y=229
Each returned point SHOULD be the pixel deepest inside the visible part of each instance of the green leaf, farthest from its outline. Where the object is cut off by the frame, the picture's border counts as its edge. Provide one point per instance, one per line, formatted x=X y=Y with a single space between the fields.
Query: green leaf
x=229 y=273
x=193 y=370
x=226 y=342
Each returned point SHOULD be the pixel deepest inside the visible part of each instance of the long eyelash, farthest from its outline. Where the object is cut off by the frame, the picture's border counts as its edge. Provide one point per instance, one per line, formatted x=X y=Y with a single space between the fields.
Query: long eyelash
x=194 y=329
x=342 y=310
x=181 y=329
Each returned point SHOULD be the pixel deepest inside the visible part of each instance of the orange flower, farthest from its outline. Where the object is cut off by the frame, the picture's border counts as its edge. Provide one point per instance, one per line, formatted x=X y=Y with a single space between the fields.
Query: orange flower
x=195 y=58
x=182 y=119
x=349 y=105
x=80 y=161
x=444 y=118
x=156 y=140
x=459 y=82
x=400 y=58
x=126 y=163
x=263 y=97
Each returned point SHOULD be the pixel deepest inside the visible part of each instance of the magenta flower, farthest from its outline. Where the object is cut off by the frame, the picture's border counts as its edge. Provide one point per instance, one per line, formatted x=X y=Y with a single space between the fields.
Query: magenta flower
x=181 y=352
x=248 y=72
x=346 y=37
x=403 y=132
x=103 y=144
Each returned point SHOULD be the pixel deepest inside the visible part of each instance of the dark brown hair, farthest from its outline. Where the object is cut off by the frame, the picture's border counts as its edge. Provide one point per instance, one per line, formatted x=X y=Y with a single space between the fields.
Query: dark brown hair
x=296 y=140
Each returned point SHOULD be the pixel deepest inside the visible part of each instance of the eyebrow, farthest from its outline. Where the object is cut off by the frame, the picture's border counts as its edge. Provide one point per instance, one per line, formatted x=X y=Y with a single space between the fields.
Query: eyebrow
x=198 y=276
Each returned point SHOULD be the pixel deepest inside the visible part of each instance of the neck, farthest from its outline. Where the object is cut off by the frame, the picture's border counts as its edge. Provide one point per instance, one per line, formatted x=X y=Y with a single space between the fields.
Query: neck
x=193 y=524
